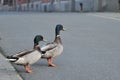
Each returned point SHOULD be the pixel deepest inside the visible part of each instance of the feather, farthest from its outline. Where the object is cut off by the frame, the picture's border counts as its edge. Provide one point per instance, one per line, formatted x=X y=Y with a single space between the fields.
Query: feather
x=49 y=46
x=12 y=59
x=20 y=54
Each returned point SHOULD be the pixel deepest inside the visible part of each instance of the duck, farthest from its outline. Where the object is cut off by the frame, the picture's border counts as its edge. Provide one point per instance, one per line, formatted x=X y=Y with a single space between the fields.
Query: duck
x=54 y=48
x=28 y=57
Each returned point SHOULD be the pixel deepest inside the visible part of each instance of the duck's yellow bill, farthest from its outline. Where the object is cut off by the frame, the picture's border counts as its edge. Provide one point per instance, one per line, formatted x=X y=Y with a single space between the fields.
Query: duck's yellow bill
x=64 y=29
x=44 y=40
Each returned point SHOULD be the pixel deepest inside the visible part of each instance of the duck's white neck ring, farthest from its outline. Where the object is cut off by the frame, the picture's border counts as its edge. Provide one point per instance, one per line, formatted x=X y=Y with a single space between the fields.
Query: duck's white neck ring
x=58 y=36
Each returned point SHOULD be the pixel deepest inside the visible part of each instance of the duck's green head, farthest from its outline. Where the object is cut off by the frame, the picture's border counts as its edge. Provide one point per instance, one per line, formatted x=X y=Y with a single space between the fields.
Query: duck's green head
x=38 y=38
x=59 y=28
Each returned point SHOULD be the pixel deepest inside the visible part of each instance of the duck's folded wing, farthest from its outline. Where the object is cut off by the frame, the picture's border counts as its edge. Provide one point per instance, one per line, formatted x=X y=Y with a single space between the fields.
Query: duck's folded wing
x=20 y=54
x=49 y=46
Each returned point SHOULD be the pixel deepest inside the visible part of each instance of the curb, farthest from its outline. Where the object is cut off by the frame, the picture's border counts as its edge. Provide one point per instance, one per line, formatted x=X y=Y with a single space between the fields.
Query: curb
x=7 y=71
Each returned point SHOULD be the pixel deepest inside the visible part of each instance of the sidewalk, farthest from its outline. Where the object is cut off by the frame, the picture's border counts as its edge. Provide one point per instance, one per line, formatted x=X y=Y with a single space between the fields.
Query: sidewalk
x=7 y=71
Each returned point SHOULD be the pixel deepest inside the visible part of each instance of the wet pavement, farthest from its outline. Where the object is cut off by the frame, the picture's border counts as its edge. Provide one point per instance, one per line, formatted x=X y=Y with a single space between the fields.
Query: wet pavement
x=91 y=44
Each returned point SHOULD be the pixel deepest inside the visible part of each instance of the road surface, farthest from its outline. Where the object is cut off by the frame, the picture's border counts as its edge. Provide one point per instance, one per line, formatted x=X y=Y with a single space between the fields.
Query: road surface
x=91 y=44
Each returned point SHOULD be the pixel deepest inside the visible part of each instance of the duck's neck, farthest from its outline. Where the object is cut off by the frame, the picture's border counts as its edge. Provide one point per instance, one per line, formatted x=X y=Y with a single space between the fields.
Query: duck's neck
x=57 y=36
x=58 y=39
x=37 y=47
x=35 y=44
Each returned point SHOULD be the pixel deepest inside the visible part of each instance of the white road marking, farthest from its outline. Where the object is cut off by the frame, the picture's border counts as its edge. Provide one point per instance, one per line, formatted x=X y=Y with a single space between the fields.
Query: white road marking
x=106 y=17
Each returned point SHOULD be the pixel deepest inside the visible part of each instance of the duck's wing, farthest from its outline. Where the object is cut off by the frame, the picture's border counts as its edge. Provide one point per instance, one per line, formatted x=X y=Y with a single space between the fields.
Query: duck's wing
x=20 y=54
x=49 y=46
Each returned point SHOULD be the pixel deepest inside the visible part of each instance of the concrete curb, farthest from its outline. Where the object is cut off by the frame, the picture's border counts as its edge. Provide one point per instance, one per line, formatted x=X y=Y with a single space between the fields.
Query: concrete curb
x=7 y=71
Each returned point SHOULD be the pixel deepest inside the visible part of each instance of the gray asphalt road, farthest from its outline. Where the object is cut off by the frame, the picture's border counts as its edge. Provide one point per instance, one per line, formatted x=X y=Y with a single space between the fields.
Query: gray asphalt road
x=91 y=44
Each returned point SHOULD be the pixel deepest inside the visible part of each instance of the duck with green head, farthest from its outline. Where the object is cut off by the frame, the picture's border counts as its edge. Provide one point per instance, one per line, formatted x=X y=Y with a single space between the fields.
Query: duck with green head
x=55 y=48
x=27 y=58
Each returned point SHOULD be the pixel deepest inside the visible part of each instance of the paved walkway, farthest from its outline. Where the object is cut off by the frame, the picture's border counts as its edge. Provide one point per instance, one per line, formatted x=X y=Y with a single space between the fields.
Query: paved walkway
x=7 y=71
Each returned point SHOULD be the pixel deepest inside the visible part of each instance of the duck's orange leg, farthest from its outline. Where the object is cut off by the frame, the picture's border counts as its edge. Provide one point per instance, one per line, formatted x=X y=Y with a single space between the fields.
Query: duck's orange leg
x=50 y=60
x=27 y=68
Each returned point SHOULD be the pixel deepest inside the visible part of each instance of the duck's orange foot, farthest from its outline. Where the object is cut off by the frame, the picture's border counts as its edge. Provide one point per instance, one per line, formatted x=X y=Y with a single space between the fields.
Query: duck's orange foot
x=50 y=62
x=52 y=65
x=29 y=71
x=27 y=68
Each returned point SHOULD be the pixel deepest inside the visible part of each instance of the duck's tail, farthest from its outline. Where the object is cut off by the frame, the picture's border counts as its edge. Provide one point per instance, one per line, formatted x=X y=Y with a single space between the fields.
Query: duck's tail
x=12 y=59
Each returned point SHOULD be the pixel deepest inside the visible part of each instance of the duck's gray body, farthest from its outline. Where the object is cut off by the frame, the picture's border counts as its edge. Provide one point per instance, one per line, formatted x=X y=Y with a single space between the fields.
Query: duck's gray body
x=26 y=57
x=55 y=48
x=52 y=50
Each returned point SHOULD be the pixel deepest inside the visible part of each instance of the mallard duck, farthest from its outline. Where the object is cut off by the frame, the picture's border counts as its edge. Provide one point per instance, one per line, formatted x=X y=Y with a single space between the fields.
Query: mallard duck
x=55 y=48
x=27 y=58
